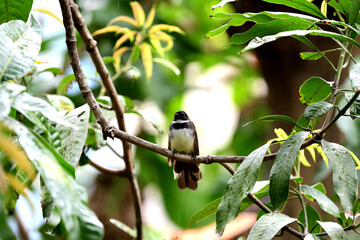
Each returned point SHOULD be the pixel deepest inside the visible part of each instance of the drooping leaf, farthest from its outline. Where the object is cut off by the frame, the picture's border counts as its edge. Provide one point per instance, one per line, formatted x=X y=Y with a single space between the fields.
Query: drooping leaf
x=268 y=29
x=342 y=6
x=131 y=232
x=146 y=57
x=259 y=41
x=19 y=47
x=60 y=102
x=304 y=123
x=28 y=105
x=317 y=109
x=208 y=210
x=64 y=83
x=58 y=176
x=355 y=76
x=238 y=187
x=324 y=202
x=271 y=118
x=268 y=225
x=313 y=216
x=315 y=55
x=344 y=173
x=48 y=12
x=313 y=90
x=282 y=167
x=313 y=237
x=334 y=230
x=15 y=10
x=168 y=65
x=138 y=12
x=302 y=5
x=7 y=92
x=354 y=12
x=73 y=138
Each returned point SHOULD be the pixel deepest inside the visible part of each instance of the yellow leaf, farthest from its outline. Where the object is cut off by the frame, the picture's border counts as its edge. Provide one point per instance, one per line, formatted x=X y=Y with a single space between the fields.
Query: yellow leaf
x=165 y=27
x=355 y=158
x=117 y=57
x=323 y=155
x=280 y=133
x=311 y=150
x=150 y=17
x=48 y=13
x=16 y=154
x=108 y=29
x=324 y=7
x=16 y=184
x=303 y=159
x=146 y=56
x=138 y=12
x=161 y=36
x=157 y=46
x=120 y=41
x=124 y=19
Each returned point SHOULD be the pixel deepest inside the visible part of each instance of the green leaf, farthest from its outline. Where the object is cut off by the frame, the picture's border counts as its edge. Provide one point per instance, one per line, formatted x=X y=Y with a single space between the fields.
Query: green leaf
x=54 y=71
x=131 y=232
x=355 y=107
x=238 y=187
x=302 y=5
x=15 y=10
x=205 y=212
x=60 y=102
x=259 y=190
x=64 y=83
x=272 y=118
x=312 y=216
x=317 y=109
x=258 y=41
x=268 y=29
x=313 y=90
x=19 y=47
x=334 y=230
x=147 y=116
x=69 y=197
x=73 y=138
x=344 y=173
x=354 y=12
x=304 y=123
x=7 y=92
x=268 y=225
x=355 y=76
x=315 y=55
x=282 y=167
x=324 y=202
x=342 y=6
x=29 y=105
x=319 y=186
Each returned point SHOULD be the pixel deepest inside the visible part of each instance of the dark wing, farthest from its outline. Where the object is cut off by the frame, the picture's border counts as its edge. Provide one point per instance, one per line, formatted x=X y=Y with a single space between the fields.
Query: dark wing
x=170 y=160
x=196 y=142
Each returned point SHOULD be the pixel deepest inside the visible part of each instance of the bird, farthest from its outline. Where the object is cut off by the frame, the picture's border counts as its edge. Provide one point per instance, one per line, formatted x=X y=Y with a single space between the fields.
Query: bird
x=183 y=139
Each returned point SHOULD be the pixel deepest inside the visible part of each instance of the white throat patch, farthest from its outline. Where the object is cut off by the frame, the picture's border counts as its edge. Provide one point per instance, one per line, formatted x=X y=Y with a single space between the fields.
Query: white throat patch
x=181 y=121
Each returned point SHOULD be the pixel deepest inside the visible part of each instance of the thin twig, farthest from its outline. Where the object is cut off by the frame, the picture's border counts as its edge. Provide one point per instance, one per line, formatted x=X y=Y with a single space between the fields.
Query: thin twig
x=91 y=47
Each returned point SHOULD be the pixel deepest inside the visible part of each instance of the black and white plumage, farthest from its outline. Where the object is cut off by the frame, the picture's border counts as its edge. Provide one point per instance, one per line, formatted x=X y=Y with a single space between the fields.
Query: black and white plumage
x=183 y=139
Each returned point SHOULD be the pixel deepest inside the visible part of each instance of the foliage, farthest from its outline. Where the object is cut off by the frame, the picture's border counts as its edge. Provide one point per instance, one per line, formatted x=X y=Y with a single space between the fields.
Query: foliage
x=48 y=136
x=142 y=40
x=315 y=92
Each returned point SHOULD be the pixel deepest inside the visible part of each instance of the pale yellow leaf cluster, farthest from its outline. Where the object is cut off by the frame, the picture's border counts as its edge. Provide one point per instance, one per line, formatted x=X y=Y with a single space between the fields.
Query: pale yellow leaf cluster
x=146 y=37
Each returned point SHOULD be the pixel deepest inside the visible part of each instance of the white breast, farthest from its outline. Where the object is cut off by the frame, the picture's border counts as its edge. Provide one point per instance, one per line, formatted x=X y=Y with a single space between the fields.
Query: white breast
x=182 y=140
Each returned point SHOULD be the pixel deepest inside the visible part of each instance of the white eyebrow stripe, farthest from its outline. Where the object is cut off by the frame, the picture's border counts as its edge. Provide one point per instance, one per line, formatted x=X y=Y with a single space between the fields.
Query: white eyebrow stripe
x=181 y=121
